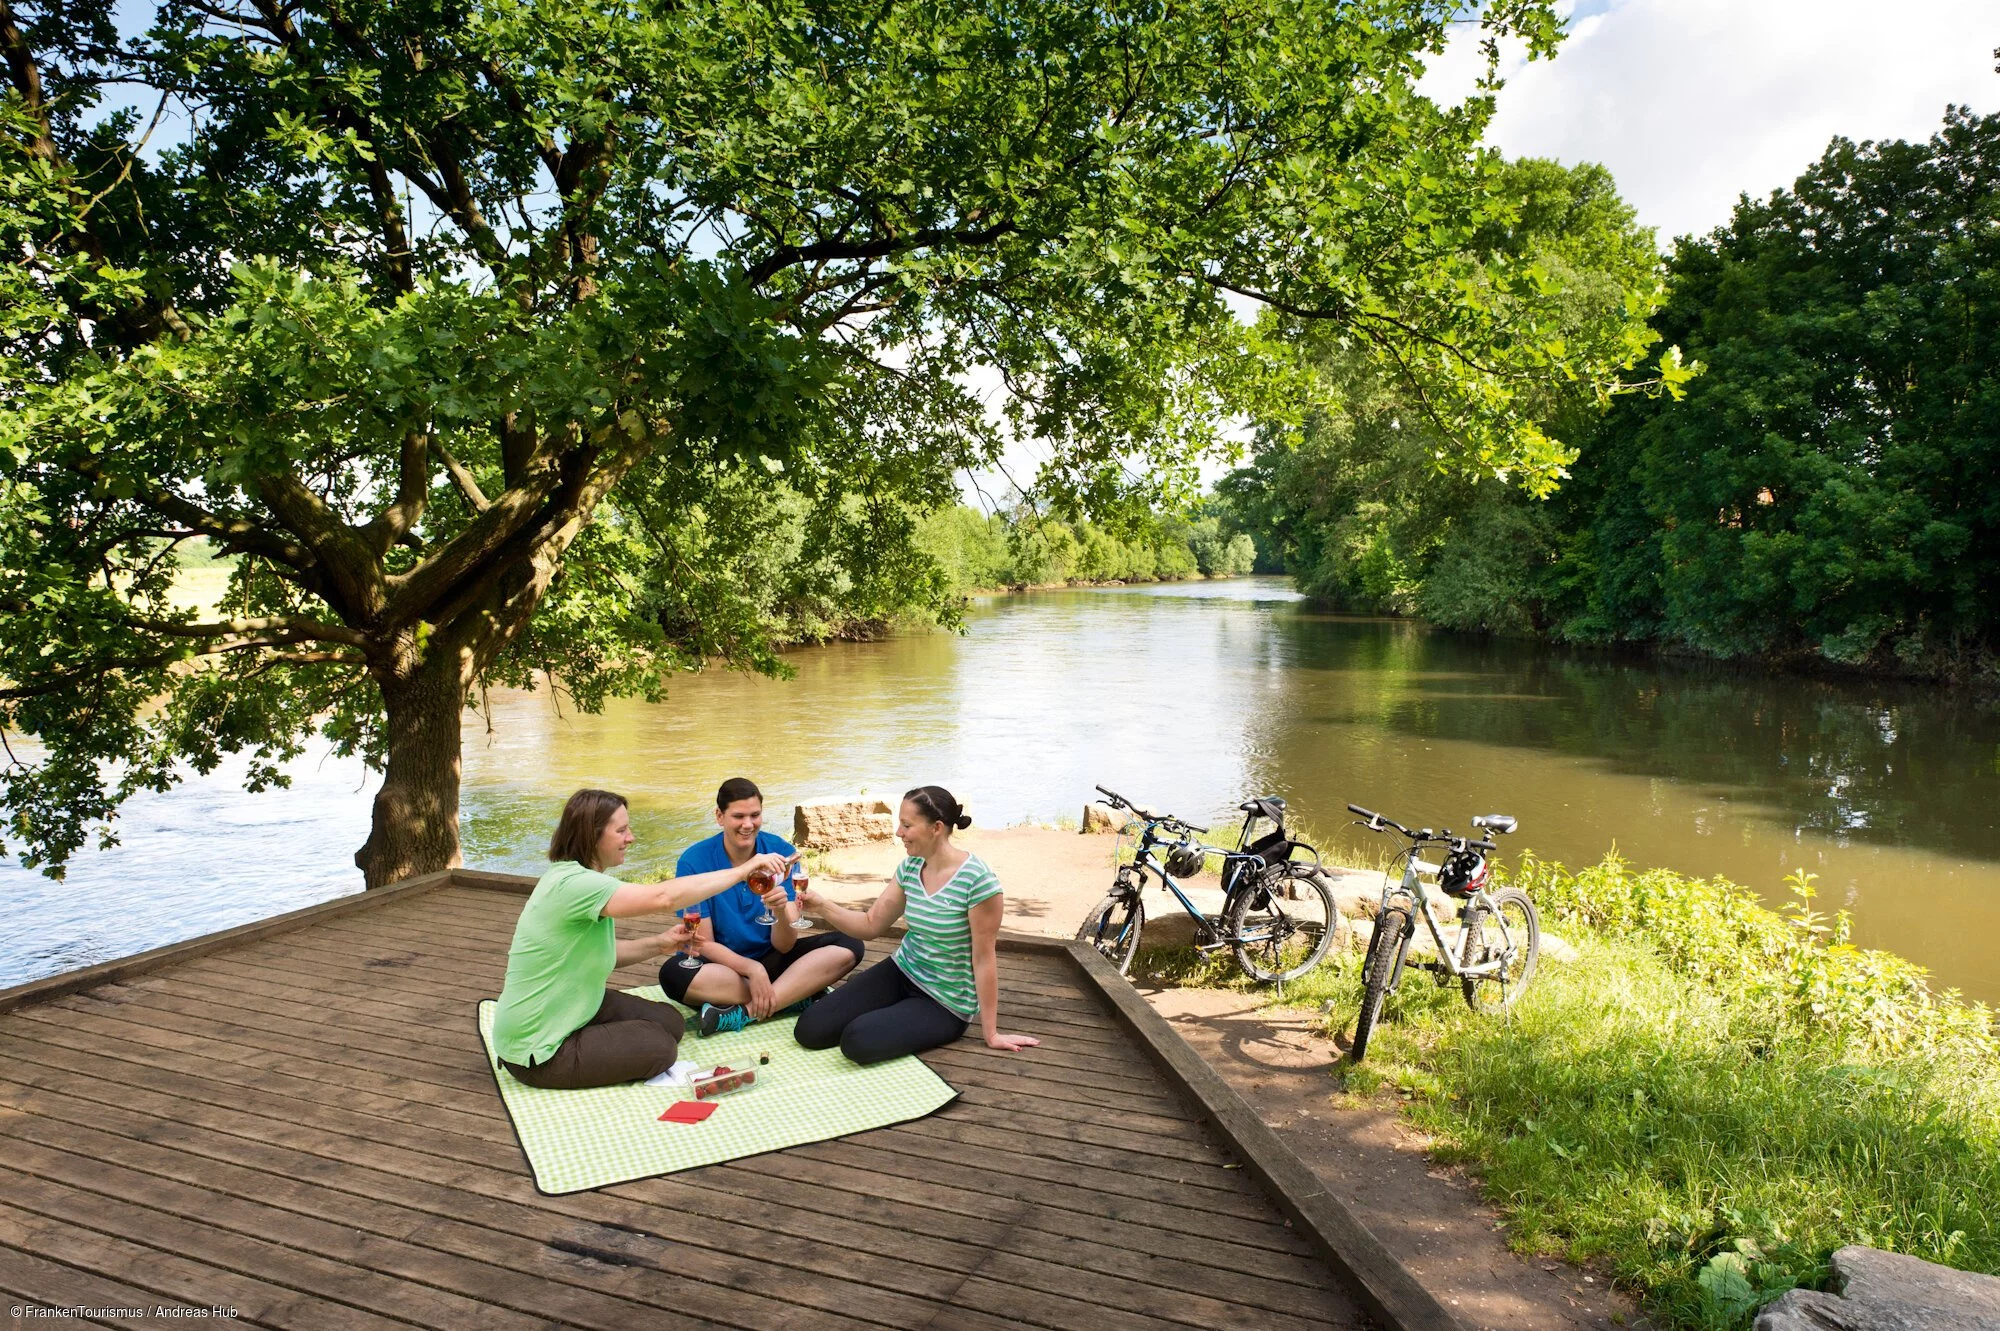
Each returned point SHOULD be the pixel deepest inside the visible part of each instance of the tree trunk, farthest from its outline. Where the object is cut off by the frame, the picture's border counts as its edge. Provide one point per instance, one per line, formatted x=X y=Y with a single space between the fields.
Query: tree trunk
x=416 y=812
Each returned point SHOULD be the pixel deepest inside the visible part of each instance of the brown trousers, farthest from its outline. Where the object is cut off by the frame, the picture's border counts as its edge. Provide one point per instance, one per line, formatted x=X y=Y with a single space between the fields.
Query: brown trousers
x=630 y=1039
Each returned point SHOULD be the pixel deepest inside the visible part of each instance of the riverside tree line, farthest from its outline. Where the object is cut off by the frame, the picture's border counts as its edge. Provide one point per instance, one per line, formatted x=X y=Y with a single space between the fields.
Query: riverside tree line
x=1827 y=489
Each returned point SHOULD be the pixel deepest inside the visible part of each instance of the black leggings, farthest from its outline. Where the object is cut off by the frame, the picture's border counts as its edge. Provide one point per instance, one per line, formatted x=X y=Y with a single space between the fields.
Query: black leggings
x=876 y=1015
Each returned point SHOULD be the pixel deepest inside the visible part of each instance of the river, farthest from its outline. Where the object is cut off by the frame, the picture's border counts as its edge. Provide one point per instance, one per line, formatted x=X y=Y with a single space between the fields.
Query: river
x=1183 y=696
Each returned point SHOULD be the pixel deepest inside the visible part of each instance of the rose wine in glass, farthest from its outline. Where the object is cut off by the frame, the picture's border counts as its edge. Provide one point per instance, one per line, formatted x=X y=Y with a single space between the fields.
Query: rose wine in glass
x=799 y=881
x=689 y=960
x=760 y=883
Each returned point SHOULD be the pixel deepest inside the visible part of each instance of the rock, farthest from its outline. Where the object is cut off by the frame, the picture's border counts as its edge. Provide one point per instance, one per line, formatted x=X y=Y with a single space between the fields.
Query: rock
x=1888 y=1291
x=823 y=824
x=1100 y=818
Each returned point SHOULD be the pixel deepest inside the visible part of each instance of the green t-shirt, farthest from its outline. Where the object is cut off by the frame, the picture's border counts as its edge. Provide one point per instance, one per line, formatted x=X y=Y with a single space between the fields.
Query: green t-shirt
x=563 y=952
x=936 y=953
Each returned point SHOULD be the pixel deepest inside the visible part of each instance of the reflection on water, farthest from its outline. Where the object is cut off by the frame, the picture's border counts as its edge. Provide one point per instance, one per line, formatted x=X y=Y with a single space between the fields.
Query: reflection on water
x=1185 y=696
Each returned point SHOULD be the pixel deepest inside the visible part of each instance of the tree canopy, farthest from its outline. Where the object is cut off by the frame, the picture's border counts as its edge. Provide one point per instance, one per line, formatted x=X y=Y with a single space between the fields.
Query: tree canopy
x=1824 y=491
x=488 y=336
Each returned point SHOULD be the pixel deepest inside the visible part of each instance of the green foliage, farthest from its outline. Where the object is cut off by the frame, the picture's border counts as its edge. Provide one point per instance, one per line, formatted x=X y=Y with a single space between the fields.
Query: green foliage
x=1355 y=501
x=1712 y=1099
x=501 y=340
x=1824 y=490
x=979 y=552
x=1828 y=487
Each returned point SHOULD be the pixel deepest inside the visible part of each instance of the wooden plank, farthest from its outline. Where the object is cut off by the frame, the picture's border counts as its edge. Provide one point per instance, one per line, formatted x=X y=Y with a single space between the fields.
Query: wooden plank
x=341 y=1138
x=140 y=963
x=28 y=1279
x=179 y=1280
x=1386 y=1288
x=890 y=1260
x=264 y=1260
x=360 y=1147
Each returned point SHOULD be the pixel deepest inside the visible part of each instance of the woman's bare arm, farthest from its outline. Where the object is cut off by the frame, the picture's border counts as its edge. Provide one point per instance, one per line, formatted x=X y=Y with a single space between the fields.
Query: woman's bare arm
x=985 y=921
x=857 y=924
x=676 y=894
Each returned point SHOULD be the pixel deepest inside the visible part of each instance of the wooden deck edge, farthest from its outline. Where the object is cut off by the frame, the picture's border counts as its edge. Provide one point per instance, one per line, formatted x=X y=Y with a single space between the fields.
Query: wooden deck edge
x=514 y=884
x=124 y=968
x=1384 y=1286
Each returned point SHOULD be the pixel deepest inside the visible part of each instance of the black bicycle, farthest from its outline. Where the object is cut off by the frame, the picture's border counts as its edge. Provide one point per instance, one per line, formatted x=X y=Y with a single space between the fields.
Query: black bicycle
x=1499 y=933
x=1277 y=915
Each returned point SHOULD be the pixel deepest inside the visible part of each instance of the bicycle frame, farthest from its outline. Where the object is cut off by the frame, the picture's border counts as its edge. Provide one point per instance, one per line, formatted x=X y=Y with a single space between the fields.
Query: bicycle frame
x=1144 y=858
x=1411 y=887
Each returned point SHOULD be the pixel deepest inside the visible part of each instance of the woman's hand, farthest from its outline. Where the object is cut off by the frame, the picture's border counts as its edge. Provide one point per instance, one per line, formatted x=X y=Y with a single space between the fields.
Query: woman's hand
x=1010 y=1044
x=807 y=898
x=676 y=939
x=770 y=862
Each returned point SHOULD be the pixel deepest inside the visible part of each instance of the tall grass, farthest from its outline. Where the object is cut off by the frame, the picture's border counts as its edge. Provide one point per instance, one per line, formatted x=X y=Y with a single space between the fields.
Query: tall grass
x=1708 y=1101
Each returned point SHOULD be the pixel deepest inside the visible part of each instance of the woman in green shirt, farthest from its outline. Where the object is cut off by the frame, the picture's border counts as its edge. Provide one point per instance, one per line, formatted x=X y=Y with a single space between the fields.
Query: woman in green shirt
x=944 y=974
x=557 y=1024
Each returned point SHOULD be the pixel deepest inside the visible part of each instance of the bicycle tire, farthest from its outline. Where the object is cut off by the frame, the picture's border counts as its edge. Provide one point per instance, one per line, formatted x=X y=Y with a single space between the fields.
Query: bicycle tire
x=1391 y=928
x=1525 y=925
x=1113 y=928
x=1273 y=956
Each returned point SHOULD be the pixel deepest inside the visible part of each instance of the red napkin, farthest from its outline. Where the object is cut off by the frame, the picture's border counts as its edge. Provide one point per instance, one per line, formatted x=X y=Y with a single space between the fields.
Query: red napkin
x=688 y=1111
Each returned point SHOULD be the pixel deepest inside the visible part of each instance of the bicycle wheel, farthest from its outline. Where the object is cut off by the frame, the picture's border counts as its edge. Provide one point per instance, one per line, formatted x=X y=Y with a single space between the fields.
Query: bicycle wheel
x=1391 y=926
x=1274 y=937
x=1499 y=991
x=1113 y=929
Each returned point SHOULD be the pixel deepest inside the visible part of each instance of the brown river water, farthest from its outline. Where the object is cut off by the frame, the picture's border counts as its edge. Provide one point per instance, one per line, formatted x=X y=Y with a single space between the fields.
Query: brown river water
x=1186 y=697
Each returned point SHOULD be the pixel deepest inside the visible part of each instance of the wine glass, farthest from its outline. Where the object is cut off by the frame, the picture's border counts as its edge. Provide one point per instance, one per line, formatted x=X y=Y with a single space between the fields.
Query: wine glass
x=689 y=960
x=799 y=881
x=760 y=882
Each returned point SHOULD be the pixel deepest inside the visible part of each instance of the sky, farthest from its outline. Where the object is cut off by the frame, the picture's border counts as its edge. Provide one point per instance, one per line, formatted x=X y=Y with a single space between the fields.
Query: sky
x=1693 y=102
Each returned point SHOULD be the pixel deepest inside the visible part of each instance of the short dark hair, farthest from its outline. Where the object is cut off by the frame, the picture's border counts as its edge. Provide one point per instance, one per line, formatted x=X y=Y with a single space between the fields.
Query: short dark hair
x=734 y=789
x=582 y=823
x=937 y=804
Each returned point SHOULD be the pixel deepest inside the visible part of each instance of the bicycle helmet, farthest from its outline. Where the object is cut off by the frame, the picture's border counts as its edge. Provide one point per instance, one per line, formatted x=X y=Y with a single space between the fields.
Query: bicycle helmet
x=1185 y=861
x=1463 y=873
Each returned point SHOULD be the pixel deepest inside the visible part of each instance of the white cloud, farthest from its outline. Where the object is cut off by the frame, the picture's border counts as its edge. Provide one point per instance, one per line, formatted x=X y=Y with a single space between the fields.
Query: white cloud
x=1693 y=102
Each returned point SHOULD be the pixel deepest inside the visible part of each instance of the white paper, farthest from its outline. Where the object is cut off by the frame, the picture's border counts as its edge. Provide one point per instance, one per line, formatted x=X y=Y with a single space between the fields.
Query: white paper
x=682 y=1073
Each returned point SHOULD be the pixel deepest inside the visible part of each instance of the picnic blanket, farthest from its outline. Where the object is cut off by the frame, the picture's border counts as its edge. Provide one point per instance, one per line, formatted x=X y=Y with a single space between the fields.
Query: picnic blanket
x=576 y=1140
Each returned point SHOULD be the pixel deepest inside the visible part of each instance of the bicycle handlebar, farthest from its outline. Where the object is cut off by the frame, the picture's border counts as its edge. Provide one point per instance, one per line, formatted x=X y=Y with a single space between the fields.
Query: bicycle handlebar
x=1120 y=802
x=1376 y=822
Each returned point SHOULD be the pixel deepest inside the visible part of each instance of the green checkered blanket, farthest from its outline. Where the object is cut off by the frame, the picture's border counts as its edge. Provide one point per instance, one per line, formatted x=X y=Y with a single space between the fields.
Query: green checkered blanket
x=576 y=1140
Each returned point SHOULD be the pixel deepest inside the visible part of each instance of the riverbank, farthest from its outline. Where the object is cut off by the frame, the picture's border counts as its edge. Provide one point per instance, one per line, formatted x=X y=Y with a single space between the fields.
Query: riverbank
x=1699 y=1107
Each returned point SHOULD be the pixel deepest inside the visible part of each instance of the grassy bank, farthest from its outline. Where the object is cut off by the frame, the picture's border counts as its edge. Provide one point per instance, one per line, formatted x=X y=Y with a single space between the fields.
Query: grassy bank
x=1708 y=1101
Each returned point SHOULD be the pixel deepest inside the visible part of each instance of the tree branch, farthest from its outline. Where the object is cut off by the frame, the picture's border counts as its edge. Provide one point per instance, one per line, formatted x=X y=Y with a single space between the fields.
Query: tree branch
x=785 y=256
x=463 y=479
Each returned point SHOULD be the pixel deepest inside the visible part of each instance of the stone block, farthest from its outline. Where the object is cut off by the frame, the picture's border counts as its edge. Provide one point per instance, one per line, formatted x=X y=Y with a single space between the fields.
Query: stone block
x=826 y=823
x=1100 y=818
x=1889 y=1291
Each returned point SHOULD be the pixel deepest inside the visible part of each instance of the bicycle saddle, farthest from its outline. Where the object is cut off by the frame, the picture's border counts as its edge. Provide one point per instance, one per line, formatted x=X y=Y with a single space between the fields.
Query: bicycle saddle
x=1498 y=822
x=1266 y=806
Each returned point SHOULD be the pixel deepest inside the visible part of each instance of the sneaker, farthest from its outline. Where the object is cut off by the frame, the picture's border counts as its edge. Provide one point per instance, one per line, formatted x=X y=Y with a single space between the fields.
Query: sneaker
x=713 y=1018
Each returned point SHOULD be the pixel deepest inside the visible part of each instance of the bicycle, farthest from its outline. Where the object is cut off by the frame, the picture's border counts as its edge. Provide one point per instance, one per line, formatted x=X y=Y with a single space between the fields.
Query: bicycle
x=1277 y=914
x=1485 y=964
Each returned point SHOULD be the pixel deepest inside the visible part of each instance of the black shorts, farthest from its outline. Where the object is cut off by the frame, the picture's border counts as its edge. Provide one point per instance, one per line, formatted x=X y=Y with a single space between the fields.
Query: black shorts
x=675 y=978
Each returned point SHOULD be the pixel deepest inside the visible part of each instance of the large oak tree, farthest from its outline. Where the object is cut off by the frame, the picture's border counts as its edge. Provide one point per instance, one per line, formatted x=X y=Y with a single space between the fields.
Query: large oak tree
x=485 y=333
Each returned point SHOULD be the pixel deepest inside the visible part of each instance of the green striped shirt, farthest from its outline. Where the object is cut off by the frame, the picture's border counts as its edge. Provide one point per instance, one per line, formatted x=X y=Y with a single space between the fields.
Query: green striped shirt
x=937 y=951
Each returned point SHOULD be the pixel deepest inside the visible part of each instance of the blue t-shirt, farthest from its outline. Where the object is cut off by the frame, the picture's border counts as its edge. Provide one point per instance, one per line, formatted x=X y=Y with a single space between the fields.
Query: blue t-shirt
x=733 y=913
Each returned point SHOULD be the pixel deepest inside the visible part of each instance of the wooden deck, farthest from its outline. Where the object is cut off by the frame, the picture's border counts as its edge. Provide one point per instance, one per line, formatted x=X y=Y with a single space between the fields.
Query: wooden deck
x=302 y=1126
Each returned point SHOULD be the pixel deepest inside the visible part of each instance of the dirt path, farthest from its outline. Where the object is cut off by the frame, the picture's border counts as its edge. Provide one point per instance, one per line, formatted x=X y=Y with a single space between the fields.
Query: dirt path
x=1433 y=1218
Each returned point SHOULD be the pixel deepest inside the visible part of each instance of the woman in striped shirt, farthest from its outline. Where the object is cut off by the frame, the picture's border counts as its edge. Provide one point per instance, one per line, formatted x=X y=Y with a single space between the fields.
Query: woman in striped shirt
x=944 y=973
